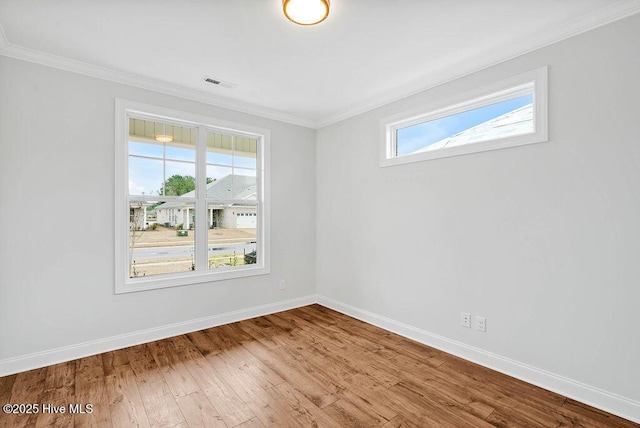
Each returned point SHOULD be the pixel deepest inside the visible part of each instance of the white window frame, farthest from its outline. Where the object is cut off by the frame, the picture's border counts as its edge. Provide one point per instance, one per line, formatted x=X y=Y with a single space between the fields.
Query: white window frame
x=534 y=81
x=125 y=284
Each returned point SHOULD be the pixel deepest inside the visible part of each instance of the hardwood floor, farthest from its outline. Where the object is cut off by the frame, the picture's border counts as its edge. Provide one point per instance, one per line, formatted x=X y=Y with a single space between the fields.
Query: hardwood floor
x=307 y=367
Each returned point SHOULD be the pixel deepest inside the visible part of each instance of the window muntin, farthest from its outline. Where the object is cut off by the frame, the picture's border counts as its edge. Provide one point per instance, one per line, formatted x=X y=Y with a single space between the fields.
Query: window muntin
x=173 y=169
x=510 y=113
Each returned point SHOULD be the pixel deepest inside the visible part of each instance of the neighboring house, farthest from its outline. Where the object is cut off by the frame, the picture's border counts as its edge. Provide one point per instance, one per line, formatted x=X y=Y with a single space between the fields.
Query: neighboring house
x=230 y=215
x=138 y=216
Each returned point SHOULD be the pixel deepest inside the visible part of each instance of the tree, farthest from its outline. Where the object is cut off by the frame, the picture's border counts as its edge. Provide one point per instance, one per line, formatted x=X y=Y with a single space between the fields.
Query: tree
x=177 y=185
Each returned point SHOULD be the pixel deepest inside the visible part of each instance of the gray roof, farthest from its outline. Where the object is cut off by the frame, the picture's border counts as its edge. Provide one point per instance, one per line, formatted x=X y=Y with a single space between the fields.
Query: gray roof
x=516 y=122
x=231 y=187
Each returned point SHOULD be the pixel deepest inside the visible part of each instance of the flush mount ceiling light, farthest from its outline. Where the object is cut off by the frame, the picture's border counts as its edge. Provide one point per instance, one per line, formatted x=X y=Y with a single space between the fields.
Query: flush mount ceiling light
x=164 y=138
x=306 y=12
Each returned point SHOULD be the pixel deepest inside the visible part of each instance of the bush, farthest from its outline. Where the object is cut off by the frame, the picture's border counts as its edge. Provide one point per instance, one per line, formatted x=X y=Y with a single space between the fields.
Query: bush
x=180 y=226
x=154 y=226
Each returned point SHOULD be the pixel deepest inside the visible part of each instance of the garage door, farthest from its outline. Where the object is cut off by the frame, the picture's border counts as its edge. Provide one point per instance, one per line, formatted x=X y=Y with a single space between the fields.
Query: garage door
x=246 y=221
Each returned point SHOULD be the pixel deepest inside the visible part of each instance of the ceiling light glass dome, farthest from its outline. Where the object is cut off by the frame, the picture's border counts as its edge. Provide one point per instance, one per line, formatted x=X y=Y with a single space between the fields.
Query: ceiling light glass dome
x=306 y=12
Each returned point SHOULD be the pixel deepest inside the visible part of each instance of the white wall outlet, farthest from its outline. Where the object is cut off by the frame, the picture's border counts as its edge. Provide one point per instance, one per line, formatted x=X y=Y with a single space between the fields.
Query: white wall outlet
x=465 y=319
x=283 y=284
x=481 y=323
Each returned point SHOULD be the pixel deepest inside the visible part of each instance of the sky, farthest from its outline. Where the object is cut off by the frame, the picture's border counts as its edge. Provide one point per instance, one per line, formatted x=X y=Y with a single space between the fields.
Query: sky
x=145 y=175
x=419 y=136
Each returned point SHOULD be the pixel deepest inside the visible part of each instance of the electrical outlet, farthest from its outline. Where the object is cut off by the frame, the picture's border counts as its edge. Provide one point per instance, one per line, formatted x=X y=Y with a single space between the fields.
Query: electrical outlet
x=481 y=323
x=465 y=319
x=283 y=284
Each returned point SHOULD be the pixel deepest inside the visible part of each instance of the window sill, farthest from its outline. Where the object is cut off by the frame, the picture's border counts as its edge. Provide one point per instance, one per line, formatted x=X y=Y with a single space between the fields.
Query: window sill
x=133 y=285
x=504 y=143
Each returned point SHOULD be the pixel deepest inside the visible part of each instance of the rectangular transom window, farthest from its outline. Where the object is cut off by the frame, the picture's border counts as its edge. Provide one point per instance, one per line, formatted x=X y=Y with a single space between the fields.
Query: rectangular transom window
x=510 y=113
x=191 y=198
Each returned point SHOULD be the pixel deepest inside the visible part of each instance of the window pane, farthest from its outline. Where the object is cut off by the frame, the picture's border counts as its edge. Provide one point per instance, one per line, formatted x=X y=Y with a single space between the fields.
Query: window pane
x=244 y=162
x=169 y=144
x=186 y=152
x=150 y=149
x=214 y=157
x=219 y=148
x=224 y=185
x=232 y=237
x=180 y=179
x=145 y=176
x=231 y=150
x=245 y=152
x=244 y=186
x=234 y=175
x=161 y=239
x=217 y=173
x=504 y=119
x=245 y=171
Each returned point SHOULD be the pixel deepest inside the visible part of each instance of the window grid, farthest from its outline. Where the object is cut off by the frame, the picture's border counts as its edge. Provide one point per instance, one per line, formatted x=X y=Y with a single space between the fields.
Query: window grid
x=197 y=203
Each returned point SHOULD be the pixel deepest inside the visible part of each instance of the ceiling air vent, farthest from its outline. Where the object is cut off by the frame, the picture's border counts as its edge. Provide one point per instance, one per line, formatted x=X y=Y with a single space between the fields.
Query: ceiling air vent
x=218 y=82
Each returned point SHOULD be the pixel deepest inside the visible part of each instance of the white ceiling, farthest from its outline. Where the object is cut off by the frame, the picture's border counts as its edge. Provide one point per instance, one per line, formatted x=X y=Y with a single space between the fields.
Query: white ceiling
x=367 y=53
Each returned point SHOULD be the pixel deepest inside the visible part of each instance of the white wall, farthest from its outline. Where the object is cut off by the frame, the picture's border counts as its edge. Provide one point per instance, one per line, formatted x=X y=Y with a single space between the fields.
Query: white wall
x=56 y=274
x=543 y=240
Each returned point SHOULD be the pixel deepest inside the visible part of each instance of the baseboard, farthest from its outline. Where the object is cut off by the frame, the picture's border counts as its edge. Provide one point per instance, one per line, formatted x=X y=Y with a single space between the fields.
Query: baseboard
x=68 y=353
x=598 y=398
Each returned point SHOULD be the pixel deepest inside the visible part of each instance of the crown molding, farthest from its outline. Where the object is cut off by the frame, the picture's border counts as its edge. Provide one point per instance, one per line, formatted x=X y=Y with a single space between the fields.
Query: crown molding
x=462 y=67
x=466 y=66
x=43 y=58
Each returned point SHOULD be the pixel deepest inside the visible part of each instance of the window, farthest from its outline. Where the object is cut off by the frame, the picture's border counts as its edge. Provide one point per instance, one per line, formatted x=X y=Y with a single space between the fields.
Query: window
x=510 y=113
x=184 y=184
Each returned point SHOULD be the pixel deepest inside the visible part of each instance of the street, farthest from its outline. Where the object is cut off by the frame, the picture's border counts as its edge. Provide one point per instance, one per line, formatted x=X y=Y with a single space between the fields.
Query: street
x=187 y=251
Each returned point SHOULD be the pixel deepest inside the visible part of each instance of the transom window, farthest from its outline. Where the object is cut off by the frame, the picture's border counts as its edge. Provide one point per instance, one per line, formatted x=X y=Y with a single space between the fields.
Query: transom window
x=191 y=198
x=509 y=113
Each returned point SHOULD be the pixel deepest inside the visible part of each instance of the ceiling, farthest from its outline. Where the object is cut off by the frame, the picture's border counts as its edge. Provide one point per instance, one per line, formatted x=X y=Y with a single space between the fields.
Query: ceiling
x=367 y=53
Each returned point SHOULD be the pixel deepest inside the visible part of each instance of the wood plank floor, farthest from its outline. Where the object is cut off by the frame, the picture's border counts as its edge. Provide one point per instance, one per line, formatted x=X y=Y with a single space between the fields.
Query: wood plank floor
x=307 y=367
